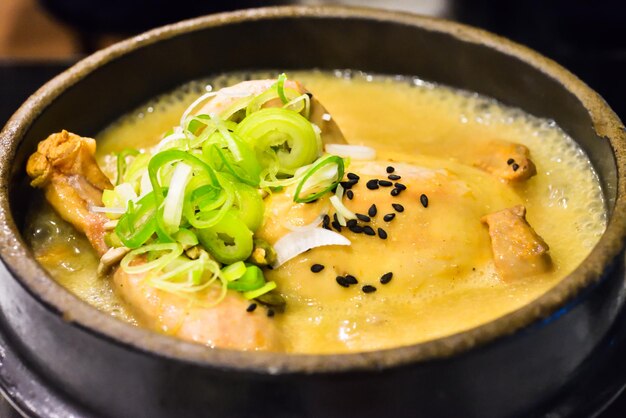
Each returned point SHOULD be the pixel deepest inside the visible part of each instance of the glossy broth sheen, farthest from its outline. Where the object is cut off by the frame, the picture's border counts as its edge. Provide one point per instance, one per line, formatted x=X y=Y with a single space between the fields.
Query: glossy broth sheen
x=444 y=281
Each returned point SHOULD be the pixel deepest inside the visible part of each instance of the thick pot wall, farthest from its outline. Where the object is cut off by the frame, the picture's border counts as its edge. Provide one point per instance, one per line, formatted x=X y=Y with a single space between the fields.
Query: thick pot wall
x=506 y=377
x=94 y=377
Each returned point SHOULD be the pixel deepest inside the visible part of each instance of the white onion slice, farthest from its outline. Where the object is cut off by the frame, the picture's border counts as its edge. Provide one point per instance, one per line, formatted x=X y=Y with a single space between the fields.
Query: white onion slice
x=297 y=242
x=357 y=152
x=103 y=209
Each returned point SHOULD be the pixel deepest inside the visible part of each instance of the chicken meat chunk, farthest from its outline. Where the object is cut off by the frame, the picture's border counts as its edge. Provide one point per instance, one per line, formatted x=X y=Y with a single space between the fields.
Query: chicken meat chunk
x=65 y=168
x=518 y=250
x=507 y=160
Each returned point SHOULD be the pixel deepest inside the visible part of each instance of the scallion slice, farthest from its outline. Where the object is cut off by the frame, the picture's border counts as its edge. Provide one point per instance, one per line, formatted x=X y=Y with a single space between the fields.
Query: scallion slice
x=333 y=167
x=121 y=163
x=253 y=294
x=252 y=279
x=163 y=254
x=287 y=133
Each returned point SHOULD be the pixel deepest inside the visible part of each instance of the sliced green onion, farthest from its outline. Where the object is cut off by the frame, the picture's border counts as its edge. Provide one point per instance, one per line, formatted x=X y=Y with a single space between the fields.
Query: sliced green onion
x=287 y=133
x=249 y=206
x=197 y=124
x=200 y=100
x=301 y=104
x=247 y=169
x=138 y=224
x=121 y=163
x=280 y=88
x=190 y=277
x=268 y=96
x=117 y=198
x=321 y=185
x=136 y=169
x=229 y=240
x=234 y=271
x=253 y=294
x=252 y=279
x=236 y=111
x=186 y=238
x=204 y=207
x=232 y=145
x=165 y=253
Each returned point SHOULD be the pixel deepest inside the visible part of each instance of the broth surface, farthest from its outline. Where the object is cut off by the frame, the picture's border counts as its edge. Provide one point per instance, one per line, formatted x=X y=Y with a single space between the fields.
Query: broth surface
x=444 y=280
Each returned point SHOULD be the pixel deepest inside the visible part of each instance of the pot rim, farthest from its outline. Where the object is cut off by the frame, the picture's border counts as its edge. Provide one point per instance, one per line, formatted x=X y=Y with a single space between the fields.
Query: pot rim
x=19 y=260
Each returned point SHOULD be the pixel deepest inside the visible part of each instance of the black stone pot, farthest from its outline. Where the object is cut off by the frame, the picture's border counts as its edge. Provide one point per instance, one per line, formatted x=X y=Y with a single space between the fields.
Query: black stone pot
x=68 y=358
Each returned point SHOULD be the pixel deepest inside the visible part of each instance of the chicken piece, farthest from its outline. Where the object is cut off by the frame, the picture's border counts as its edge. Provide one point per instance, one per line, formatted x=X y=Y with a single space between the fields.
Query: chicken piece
x=517 y=249
x=331 y=134
x=64 y=166
x=225 y=325
x=507 y=160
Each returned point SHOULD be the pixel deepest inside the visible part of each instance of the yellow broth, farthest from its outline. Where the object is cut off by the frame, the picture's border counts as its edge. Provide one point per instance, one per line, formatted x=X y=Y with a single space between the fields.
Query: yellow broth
x=443 y=275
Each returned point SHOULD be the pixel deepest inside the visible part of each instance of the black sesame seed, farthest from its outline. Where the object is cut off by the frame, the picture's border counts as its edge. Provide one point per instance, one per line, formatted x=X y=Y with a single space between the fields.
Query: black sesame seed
x=316 y=268
x=400 y=186
x=309 y=94
x=251 y=307
x=372 y=211
x=385 y=183
x=398 y=207
x=353 y=176
x=326 y=222
x=335 y=218
x=382 y=234
x=386 y=278
x=351 y=222
x=510 y=161
x=368 y=288
x=515 y=166
x=363 y=218
x=350 y=194
x=372 y=184
x=350 y=279
x=389 y=217
x=393 y=177
x=346 y=184
x=424 y=200
x=368 y=230
x=337 y=226
x=341 y=281
x=395 y=192
x=357 y=229
x=270 y=312
x=390 y=169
